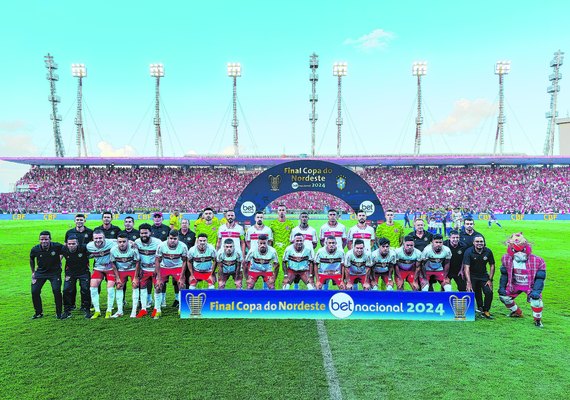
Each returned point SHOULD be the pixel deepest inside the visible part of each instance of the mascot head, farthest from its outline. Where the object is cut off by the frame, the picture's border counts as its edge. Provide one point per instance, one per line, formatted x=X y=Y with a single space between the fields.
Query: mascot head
x=517 y=243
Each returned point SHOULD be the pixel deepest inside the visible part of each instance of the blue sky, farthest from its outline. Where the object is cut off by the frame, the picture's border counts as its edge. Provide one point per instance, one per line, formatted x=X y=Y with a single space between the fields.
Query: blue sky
x=273 y=40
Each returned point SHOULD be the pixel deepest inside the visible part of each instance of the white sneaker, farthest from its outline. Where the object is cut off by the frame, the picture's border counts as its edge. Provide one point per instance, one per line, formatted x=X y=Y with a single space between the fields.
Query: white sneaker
x=117 y=315
x=134 y=314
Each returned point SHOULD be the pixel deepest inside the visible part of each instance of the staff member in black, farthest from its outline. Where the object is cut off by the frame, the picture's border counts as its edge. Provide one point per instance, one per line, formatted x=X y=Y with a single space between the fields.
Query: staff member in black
x=76 y=269
x=468 y=233
x=158 y=229
x=84 y=234
x=475 y=262
x=457 y=253
x=421 y=237
x=47 y=256
x=110 y=231
x=132 y=233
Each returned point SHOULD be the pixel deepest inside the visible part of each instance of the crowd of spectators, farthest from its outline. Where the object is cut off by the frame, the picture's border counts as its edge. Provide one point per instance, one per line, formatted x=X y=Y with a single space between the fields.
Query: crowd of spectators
x=145 y=189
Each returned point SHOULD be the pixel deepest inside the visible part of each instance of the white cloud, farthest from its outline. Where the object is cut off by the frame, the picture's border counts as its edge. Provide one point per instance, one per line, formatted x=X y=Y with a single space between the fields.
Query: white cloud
x=14 y=145
x=107 y=150
x=465 y=116
x=378 y=38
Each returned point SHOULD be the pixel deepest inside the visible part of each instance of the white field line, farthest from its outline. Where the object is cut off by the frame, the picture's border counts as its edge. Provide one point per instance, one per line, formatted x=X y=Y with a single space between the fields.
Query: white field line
x=330 y=370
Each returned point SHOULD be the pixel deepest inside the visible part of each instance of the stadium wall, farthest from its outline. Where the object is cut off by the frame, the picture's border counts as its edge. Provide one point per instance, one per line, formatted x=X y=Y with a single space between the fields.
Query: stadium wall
x=140 y=218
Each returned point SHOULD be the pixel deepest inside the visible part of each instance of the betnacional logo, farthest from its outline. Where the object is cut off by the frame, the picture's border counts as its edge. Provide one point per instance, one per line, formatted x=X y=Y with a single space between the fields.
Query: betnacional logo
x=341 y=305
x=341 y=182
x=295 y=185
x=368 y=207
x=274 y=182
x=248 y=209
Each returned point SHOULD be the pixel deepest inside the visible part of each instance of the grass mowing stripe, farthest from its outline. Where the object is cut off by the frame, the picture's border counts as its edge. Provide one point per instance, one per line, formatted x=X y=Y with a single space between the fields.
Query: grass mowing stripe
x=328 y=362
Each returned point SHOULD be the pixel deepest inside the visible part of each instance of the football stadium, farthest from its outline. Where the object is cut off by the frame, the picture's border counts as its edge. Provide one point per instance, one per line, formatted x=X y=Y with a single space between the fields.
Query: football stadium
x=427 y=264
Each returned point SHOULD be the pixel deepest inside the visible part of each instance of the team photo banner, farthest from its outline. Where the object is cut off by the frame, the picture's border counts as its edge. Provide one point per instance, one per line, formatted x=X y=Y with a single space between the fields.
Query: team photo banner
x=327 y=304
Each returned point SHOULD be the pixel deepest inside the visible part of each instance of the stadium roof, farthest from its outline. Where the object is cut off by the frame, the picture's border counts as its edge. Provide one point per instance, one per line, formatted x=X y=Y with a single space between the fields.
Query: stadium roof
x=268 y=161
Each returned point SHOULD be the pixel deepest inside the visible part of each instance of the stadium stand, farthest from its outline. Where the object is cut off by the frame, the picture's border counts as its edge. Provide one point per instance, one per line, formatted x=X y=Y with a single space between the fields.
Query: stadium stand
x=132 y=189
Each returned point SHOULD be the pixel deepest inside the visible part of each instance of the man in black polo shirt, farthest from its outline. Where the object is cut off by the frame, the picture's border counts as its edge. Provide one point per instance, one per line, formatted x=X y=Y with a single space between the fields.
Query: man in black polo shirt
x=110 y=231
x=76 y=269
x=185 y=235
x=421 y=237
x=475 y=262
x=468 y=233
x=83 y=234
x=457 y=252
x=47 y=256
x=130 y=231
x=158 y=229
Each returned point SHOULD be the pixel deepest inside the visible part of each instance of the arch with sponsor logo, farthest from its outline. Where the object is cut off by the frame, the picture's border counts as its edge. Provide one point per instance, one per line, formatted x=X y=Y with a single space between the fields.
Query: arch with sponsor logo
x=308 y=176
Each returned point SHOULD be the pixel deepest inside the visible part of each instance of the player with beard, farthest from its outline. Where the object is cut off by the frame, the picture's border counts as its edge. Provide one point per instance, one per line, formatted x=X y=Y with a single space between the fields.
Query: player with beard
x=100 y=250
x=170 y=261
x=356 y=264
x=456 y=263
x=263 y=262
x=475 y=262
x=255 y=231
x=147 y=246
x=435 y=261
x=130 y=231
x=124 y=259
x=382 y=262
x=208 y=226
x=468 y=233
x=361 y=231
x=522 y=272
x=231 y=230
x=298 y=263
x=407 y=261
x=202 y=263
x=329 y=264
x=229 y=260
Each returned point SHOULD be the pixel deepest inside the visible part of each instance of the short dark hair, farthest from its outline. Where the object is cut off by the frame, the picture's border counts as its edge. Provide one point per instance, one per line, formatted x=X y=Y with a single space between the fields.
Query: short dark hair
x=409 y=238
x=259 y=212
x=304 y=213
x=468 y=219
x=45 y=233
x=129 y=217
x=332 y=210
x=360 y=210
x=107 y=213
x=79 y=215
x=71 y=237
x=122 y=235
x=331 y=237
x=437 y=236
x=98 y=232
x=262 y=237
x=173 y=233
x=145 y=226
x=299 y=234
x=382 y=241
x=203 y=235
x=453 y=232
x=227 y=241
x=208 y=209
x=359 y=241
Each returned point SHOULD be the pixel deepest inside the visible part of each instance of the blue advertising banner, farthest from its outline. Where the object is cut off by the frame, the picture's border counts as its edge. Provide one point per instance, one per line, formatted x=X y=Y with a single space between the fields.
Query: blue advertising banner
x=327 y=304
x=308 y=176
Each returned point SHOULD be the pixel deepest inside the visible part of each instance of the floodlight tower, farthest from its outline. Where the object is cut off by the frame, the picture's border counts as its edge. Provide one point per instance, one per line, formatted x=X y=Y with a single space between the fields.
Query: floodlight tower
x=52 y=77
x=419 y=69
x=79 y=71
x=501 y=68
x=339 y=70
x=553 y=90
x=313 y=78
x=157 y=71
x=234 y=72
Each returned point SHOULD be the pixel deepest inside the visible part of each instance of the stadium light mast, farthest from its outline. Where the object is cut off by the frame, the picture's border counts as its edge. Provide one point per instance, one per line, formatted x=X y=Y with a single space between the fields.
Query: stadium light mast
x=419 y=69
x=553 y=113
x=313 y=78
x=339 y=70
x=157 y=71
x=501 y=68
x=79 y=71
x=234 y=72
x=52 y=77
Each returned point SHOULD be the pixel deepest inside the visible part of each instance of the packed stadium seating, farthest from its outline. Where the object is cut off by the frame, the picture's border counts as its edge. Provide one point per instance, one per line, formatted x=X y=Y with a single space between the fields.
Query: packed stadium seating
x=503 y=189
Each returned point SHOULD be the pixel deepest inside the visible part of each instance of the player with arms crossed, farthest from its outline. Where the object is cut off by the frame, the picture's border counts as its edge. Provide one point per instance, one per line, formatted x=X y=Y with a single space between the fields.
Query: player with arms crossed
x=382 y=264
x=298 y=263
x=261 y=262
x=361 y=231
x=170 y=260
x=147 y=246
x=356 y=264
x=229 y=260
x=435 y=263
x=202 y=263
x=407 y=260
x=522 y=272
x=329 y=264
x=125 y=260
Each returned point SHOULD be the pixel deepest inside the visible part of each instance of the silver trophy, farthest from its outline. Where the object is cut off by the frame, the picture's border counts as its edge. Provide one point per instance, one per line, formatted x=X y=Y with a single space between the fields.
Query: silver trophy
x=195 y=304
x=459 y=306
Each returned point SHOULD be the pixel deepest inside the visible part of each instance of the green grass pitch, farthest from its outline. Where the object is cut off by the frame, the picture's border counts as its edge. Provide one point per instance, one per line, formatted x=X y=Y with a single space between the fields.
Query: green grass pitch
x=275 y=359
